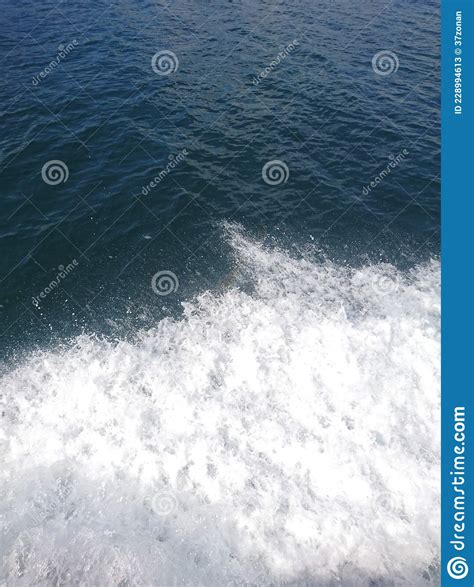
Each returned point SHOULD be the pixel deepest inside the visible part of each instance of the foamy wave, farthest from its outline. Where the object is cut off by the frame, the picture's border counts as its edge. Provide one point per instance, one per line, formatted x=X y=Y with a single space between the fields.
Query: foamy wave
x=287 y=433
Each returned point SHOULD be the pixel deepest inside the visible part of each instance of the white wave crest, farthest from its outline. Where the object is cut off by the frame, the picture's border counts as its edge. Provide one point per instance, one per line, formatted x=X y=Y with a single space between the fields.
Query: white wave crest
x=287 y=435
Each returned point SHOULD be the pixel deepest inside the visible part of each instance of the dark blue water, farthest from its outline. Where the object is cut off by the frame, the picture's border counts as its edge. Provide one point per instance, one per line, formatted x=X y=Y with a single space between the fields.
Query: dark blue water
x=116 y=124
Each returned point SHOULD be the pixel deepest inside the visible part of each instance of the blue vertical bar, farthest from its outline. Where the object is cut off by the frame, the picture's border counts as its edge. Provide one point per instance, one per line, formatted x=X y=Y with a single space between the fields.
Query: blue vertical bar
x=457 y=165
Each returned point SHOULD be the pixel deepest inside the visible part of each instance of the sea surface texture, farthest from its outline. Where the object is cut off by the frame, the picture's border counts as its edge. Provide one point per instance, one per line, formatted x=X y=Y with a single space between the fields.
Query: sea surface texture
x=219 y=293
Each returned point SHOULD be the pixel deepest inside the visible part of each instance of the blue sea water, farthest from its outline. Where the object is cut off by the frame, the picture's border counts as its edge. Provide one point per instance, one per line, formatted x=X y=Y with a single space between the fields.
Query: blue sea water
x=301 y=311
x=115 y=123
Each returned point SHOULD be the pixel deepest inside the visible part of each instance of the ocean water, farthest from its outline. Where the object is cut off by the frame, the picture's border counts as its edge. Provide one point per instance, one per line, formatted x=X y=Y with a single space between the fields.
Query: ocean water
x=230 y=377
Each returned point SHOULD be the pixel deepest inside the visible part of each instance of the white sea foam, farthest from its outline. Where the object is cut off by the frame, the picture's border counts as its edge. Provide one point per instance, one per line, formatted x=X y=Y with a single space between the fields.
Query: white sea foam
x=284 y=434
